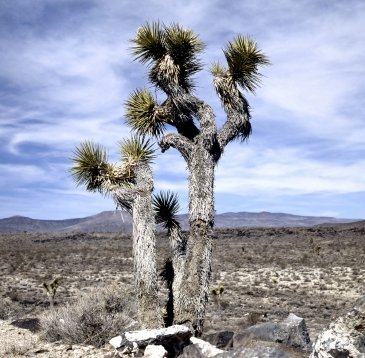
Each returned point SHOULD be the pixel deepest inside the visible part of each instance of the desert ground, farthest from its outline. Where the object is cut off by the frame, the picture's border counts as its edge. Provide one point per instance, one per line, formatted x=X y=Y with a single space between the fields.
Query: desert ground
x=316 y=273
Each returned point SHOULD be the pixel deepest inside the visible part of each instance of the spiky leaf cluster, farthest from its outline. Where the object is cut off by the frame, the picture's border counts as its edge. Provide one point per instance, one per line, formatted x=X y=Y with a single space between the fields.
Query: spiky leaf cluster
x=142 y=113
x=243 y=59
x=166 y=206
x=91 y=169
x=217 y=70
x=90 y=166
x=149 y=43
x=171 y=51
x=137 y=149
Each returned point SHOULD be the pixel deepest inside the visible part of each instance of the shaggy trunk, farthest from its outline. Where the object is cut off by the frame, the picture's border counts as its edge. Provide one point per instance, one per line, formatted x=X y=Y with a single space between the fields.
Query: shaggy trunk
x=144 y=251
x=190 y=308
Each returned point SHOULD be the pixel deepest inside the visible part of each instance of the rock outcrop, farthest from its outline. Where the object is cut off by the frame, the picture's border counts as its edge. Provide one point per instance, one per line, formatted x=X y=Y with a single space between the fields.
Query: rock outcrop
x=177 y=340
x=345 y=337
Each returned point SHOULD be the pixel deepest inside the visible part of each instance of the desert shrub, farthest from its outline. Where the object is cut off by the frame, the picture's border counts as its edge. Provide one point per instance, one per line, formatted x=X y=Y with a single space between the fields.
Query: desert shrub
x=93 y=318
x=6 y=308
x=17 y=348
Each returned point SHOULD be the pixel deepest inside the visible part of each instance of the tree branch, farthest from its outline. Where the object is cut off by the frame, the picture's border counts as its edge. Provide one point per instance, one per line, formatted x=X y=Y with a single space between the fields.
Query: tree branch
x=181 y=120
x=123 y=197
x=179 y=142
x=186 y=102
x=237 y=109
x=166 y=75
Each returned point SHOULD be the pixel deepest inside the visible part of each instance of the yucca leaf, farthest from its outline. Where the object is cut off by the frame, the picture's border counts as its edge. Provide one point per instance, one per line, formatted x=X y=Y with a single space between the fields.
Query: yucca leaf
x=137 y=149
x=243 y=59
x=141 y=113
x=166 y=206
x=149 y=43
x=182 y=44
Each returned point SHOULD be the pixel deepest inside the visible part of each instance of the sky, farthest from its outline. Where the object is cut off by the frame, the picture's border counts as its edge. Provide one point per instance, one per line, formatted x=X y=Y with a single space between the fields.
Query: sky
x=66 y=71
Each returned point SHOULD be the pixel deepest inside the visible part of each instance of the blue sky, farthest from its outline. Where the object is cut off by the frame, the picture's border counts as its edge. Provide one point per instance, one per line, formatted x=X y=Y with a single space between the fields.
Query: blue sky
x=65 y=72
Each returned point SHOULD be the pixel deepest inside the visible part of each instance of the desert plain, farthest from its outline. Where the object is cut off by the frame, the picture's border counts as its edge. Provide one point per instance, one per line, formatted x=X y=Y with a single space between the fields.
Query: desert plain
x=314 y=272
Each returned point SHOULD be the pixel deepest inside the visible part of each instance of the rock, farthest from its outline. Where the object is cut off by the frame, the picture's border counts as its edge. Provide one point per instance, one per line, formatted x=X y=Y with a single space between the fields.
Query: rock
x=223 y=339
x=345 y=337
x=297 y=333
x=27 y=323
x=205 y=348
x=267 y=331
x=192 y=351
x=173 y=339
x=153 y=351
x=255 y=352
x=116 y=342
x=291 y=332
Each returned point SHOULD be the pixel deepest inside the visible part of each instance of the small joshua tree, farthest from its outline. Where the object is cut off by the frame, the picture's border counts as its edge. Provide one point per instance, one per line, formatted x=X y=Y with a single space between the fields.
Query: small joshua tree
x=51 y=289
x=166 y=205
x=315 y=248
x=217 y=293
x=130 y=185
x=171 y=54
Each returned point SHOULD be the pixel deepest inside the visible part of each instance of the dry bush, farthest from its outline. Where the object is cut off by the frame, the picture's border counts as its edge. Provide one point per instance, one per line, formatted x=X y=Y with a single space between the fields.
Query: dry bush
x=92 y=319
x=16 y=349
x=7 y=309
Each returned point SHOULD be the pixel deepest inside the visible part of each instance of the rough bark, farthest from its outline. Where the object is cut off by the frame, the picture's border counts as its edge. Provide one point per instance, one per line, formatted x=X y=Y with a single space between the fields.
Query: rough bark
x=144 y=252
x=178 y=249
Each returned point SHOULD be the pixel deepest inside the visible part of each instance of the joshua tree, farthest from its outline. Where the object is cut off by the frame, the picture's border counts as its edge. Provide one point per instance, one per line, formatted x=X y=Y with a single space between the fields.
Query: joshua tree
x=171 y=54
x=131 y=185
x=51 y=289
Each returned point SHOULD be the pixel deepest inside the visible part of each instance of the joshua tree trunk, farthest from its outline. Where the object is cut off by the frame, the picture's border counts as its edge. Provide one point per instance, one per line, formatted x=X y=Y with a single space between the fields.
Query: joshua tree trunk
x=130 y=185
x=144 y=251
x=193 y=296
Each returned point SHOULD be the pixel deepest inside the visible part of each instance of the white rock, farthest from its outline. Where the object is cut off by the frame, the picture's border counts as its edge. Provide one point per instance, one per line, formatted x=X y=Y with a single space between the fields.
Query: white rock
x=207 y=349
x=153 y=351
x=116 y=341
x=150 y=334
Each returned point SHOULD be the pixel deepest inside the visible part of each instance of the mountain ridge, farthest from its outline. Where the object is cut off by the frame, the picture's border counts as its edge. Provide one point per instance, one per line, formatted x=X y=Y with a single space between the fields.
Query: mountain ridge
x=117 y=221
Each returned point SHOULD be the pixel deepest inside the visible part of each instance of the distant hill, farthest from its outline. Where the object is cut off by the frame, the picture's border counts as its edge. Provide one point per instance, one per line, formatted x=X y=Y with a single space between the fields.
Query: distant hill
x=114 y=221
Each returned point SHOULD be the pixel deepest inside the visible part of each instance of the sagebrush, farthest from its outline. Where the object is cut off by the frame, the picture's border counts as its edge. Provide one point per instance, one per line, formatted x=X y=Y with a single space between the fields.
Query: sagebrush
x=93 y=318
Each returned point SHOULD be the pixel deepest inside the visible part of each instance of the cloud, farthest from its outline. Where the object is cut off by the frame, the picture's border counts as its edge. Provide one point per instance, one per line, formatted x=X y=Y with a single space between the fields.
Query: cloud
x=286 y=171
x=22 y=174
